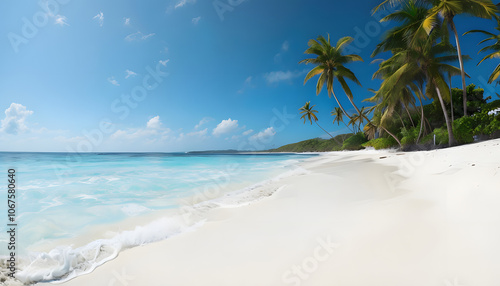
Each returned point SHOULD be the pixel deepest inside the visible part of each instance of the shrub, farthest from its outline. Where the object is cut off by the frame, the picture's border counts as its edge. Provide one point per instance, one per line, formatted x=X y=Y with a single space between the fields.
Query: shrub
x=491 y=105
x=427 y=138
x=480 y=123
x=409 y=135
x=441 y=135
x=381 y=143
x=463 y=130
x=354 y=142
x=493 y=126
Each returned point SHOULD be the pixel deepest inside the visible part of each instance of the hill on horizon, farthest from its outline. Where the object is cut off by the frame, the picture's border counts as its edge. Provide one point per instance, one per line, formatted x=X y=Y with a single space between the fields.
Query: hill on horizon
x=315 y=145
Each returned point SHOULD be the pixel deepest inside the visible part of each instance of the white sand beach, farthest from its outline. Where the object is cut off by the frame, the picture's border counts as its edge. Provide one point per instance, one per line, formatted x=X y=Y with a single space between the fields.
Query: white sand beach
x=356 y=218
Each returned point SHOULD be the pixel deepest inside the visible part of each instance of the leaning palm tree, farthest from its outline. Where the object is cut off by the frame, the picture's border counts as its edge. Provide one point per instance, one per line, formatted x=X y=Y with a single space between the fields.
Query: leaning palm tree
x=330 y=66
x=447 y=10
x=494 y=49
x=427 y=62
x=376 y=124
x=308 y=113
x=338 y=116
x=354 y=122
x=409 y=32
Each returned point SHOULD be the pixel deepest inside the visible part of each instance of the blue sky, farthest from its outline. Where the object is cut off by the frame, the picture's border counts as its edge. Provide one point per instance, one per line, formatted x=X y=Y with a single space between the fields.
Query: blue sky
x=178 y=75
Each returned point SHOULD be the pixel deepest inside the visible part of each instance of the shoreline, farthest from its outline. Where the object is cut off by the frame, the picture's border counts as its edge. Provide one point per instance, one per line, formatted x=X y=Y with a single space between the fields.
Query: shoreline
x=139 y=230
x=392 y=216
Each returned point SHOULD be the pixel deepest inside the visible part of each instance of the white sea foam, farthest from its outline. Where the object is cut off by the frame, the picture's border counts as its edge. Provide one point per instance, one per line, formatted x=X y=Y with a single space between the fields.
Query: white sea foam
x=122 y=192
x=254 y=192
x=65 y=262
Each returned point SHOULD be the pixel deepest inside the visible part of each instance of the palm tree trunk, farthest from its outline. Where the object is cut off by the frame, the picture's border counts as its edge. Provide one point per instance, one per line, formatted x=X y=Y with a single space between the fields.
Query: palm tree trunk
x=451 y=100
x=460 y=60
x=355 y=107
x=409 y=115
x=324 y=130
x=348 y=127
x=428 y=124
x=421 y=120
x=393 y=136
x=451 y=139
x=336 y=140
x=400 y=119
x=340 y=105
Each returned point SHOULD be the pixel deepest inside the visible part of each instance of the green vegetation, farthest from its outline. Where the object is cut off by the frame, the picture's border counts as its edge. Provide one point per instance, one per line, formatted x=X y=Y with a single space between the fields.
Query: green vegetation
x=315 y=145
x=480 y=124
x=441 y=135
x=419 y=68
x=381 y=143
x=410 y=136
x=354 y=142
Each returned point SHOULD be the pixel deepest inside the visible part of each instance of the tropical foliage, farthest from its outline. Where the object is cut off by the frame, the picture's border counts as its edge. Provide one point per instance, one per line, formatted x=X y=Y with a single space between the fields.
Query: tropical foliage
x=494 y=49
x=418 y=67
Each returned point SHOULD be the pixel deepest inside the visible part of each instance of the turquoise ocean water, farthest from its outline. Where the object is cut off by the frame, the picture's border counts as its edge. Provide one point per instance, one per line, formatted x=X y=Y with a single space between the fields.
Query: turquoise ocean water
x=61 y=196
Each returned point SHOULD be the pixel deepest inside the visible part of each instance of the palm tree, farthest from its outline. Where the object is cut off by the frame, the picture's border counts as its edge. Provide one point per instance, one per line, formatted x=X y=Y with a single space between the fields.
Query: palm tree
x=411 y=16
x=330 y=66
x=354 y=122
x=448 y=9
x=417 y=90
x=308 y=113
x=494 y=48
x=426 y=62
x=407 y=34
x=376 y=123
x=338 y=116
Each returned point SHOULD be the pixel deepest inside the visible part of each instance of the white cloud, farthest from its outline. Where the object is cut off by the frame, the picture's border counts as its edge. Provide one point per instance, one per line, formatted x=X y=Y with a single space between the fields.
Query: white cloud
x=264 y=136
x=200 y=133
x=226 y=126
x=154 y=123
x=113 y=81
x=154 y=132
x=126 y=21
x=144 y=37
x=284 y=48
x=15 y=117
x=138 y=36
x=205 y=120
x=277 y=76
x=248 y=132
x=246 y=84
x=181 y=3
x=196 y=20
x=58 y=19
x=129 y=73
x=61 y=20
x=164 y=63
x=100 y=18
